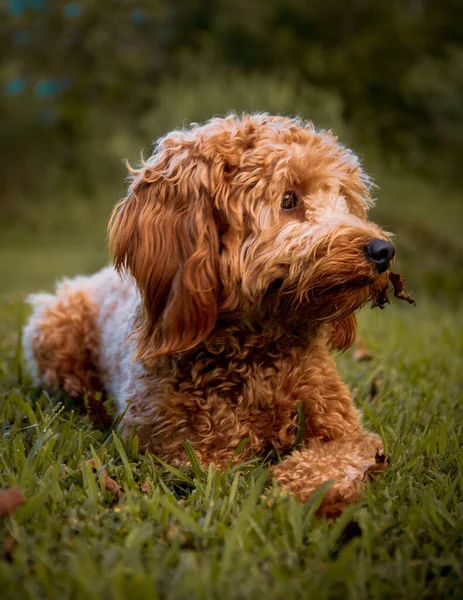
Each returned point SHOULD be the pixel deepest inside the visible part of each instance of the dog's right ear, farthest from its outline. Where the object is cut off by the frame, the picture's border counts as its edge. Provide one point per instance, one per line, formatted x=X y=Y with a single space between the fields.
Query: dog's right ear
x=165 y=235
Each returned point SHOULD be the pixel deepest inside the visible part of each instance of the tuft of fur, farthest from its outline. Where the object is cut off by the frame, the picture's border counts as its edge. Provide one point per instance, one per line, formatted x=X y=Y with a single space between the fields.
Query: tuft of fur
x=224 y=307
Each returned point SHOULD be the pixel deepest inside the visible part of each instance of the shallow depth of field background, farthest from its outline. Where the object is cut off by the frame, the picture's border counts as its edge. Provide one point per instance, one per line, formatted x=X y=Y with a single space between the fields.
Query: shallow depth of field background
x=86 y=84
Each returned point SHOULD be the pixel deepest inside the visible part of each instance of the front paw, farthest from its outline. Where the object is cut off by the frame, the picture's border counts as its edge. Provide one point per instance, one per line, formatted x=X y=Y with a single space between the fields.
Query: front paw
x=348 y=463
x=301 y=479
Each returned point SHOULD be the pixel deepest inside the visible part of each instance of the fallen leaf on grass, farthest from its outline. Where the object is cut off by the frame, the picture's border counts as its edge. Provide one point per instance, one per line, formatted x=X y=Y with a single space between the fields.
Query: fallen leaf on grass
x=10 y=500
x=110 y=484
x=179 y=537
x=361 y=352
x=146 y=486
x=398 y=283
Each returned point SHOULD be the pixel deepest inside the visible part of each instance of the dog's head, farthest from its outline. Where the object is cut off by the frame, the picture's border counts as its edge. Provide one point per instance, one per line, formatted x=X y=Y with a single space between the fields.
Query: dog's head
x=255 y=215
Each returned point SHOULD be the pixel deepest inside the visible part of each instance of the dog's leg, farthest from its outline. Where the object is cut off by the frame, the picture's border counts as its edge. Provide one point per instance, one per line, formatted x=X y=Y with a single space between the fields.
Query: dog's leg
x=62 y=340
x=335 y=446
x=345 y=461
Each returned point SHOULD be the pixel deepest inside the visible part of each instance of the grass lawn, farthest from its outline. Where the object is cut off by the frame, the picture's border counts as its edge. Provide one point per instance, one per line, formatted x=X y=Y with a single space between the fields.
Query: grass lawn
x=206 y=534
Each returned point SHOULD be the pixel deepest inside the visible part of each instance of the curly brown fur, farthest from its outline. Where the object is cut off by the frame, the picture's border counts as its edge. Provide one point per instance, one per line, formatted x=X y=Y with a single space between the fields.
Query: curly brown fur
x=243 y=243
x=66 y=343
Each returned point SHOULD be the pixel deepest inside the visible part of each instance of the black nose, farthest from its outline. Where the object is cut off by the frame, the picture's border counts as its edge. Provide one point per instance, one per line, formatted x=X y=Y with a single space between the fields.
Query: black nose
x=381 y=253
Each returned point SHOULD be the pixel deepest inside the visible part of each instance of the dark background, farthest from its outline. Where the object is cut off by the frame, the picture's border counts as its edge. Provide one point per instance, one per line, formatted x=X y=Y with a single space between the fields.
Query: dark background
x=85 y=84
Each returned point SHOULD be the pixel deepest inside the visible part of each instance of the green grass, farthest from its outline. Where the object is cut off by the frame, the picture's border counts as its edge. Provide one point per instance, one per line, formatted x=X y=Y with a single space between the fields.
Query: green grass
x=206 y=534
x=199 y=534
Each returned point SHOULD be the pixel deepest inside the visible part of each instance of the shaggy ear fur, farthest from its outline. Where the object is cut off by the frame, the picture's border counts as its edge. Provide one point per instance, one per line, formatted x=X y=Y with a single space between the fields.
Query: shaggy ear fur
x=164 y=233
x=343 y=333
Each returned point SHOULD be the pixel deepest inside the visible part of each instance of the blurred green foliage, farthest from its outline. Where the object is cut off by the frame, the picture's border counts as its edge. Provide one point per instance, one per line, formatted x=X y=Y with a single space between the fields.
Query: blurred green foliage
x=85 y=84
x=76 y=75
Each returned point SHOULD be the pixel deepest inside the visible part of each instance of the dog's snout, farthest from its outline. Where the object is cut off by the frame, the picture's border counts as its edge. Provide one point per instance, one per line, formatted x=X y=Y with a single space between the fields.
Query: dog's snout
x=381 y=253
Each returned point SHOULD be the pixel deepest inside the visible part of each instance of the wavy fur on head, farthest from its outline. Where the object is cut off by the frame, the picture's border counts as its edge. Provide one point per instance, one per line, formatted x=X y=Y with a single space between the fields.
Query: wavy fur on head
x=243 y=242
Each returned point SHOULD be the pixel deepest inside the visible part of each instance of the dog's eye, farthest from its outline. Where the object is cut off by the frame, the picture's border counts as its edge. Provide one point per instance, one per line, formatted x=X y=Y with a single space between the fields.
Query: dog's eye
x=289 y=201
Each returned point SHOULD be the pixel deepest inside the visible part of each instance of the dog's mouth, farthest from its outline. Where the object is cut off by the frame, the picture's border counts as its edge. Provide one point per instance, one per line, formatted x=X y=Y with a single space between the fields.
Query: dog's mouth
x=372 y=283
x=336 y=298
x=299 y=309
x=356 y=284
x=380 y=286
x=319 y=292
x=345 y=297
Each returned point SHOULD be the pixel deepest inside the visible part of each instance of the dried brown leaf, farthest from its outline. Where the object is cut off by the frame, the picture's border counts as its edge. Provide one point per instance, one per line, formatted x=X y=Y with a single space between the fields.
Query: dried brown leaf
x=10 y=500
x=146 y=486
x=110 y=484
x=361 y=352
x=398 y=283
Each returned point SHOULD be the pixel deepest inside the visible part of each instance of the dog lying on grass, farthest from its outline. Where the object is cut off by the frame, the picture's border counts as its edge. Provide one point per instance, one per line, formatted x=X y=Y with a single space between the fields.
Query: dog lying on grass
x=242 y=252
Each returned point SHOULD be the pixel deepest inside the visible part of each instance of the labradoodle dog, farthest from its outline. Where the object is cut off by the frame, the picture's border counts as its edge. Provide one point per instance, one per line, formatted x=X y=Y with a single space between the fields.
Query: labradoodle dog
x=241 y=254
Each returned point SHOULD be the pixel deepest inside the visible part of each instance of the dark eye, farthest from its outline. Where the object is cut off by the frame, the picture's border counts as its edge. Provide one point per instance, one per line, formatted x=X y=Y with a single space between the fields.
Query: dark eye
x=289 y=201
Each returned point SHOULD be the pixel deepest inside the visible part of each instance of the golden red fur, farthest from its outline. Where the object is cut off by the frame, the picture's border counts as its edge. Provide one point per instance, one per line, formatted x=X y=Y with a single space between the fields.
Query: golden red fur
x=244 y=245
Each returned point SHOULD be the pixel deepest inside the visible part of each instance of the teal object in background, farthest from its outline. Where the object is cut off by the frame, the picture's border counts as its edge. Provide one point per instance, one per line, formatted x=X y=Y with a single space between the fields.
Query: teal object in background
x=15 y=86
x=73 y=9
x=16 y=7
x=137 y=15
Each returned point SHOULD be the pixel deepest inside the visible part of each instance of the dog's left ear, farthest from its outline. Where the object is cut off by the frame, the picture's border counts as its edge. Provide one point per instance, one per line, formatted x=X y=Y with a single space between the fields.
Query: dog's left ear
x=343 y=333
x=164 y=233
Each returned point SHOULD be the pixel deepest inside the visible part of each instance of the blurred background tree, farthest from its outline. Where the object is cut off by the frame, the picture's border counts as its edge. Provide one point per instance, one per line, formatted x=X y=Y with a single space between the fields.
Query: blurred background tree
x=86 y=83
